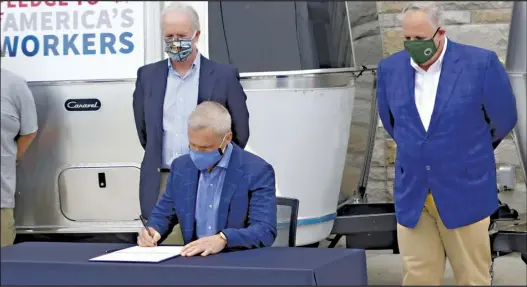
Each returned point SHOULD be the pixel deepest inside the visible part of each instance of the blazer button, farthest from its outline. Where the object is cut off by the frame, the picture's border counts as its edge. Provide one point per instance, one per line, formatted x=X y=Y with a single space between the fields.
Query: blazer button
x=428 y=167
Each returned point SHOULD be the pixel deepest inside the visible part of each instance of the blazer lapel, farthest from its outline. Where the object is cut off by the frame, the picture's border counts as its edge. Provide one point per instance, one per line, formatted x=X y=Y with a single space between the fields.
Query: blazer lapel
x=409 y=74
x=447 y=81
x=190 y=190
x=232 y=178
x=159 y=86
x=206 y=80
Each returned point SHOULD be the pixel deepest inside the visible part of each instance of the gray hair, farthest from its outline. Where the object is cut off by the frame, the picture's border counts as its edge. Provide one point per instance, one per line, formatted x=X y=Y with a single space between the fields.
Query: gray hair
x=187 y=9
x=212 y=115
x=432 y=9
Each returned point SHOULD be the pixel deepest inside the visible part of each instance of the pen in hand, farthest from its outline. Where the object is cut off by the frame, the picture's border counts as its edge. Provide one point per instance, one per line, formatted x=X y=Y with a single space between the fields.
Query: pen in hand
x=146 y=227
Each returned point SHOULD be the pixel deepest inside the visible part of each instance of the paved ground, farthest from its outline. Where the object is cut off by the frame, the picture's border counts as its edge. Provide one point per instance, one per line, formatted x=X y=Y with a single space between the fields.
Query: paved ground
x=385 y=268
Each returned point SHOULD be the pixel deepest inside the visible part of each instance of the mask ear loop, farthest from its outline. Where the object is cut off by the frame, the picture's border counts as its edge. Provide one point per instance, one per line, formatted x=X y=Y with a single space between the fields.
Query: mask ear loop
x=436 y=32
x=222 y=141
x=435 y=36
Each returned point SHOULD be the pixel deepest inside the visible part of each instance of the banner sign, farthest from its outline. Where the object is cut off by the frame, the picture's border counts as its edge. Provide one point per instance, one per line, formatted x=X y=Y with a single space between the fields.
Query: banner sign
x=72 y=40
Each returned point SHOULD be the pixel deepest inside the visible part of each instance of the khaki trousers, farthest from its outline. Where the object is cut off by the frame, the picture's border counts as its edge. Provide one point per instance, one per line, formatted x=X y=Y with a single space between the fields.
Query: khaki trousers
x=7 y=227
x=175 y=237
x=425 y=248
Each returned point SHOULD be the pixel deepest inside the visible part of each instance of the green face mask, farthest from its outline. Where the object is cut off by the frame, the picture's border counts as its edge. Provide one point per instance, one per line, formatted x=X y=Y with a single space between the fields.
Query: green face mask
x=421 y=50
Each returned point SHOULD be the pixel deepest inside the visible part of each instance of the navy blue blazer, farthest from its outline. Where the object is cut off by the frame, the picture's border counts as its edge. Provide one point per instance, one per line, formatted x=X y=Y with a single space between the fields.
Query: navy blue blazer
x=454 y=159
x=247 y=210
x=217 y=82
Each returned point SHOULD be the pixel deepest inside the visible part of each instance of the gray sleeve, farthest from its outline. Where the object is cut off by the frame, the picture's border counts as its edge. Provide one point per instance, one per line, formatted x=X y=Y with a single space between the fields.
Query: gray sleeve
x=26 y=109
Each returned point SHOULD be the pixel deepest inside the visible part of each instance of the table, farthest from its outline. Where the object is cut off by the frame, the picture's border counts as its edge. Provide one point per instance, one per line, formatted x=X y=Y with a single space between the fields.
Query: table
x=58 y=263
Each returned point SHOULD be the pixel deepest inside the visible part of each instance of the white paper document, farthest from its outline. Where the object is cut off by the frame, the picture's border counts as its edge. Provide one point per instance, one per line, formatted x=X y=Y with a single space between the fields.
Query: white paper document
x=141 y=254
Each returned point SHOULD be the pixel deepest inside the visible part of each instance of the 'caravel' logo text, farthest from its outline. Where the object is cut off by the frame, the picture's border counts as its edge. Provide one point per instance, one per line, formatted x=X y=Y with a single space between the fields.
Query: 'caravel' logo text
x=74 y=105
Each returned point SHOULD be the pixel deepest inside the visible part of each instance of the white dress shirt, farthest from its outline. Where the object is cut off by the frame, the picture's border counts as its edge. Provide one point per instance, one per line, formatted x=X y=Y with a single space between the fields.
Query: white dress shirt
x=426 y=83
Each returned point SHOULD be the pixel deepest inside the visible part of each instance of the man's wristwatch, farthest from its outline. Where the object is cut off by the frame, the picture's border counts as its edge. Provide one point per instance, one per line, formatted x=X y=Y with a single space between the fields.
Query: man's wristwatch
x=222 y=236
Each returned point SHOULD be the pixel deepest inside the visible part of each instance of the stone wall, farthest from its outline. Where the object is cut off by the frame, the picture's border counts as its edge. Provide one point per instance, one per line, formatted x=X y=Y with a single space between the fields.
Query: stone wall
x=483 y=24
x=366 y=33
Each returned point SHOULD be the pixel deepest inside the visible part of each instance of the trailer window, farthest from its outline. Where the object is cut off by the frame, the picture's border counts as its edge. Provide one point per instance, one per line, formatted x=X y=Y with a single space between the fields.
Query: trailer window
x=280 y=36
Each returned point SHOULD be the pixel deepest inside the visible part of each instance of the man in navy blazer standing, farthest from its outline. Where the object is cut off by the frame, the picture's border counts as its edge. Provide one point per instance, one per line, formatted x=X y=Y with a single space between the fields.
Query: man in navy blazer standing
x=433 y=100
x=166 y=92
x=221 y=195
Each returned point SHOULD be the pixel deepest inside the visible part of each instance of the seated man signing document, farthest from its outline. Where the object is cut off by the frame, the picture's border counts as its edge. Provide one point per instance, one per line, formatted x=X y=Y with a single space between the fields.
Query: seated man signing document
x=222 y=196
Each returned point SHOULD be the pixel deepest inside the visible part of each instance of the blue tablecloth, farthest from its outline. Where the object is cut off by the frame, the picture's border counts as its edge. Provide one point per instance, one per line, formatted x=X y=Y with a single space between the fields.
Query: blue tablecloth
x=56 y=263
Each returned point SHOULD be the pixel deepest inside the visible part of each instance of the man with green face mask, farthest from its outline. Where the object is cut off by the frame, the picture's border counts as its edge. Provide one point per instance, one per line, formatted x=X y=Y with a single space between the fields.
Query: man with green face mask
x=432 y=99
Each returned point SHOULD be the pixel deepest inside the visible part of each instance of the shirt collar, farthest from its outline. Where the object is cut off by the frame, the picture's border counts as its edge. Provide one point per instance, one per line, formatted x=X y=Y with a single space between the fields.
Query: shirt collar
x=437 y=63
x=224 y=162
x=195 y=65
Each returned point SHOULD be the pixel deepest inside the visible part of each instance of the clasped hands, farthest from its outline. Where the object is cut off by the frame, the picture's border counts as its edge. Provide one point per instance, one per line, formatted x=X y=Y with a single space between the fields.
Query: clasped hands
x=205 y=246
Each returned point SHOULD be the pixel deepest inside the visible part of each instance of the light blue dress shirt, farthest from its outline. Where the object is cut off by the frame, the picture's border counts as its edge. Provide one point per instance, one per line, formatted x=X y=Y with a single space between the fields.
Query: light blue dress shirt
x=181 y=97
x=209 y=194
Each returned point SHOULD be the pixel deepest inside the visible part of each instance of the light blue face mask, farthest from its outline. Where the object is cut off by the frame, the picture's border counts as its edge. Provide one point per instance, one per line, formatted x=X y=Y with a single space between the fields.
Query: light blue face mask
x=205 y=159
x=179 y=49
